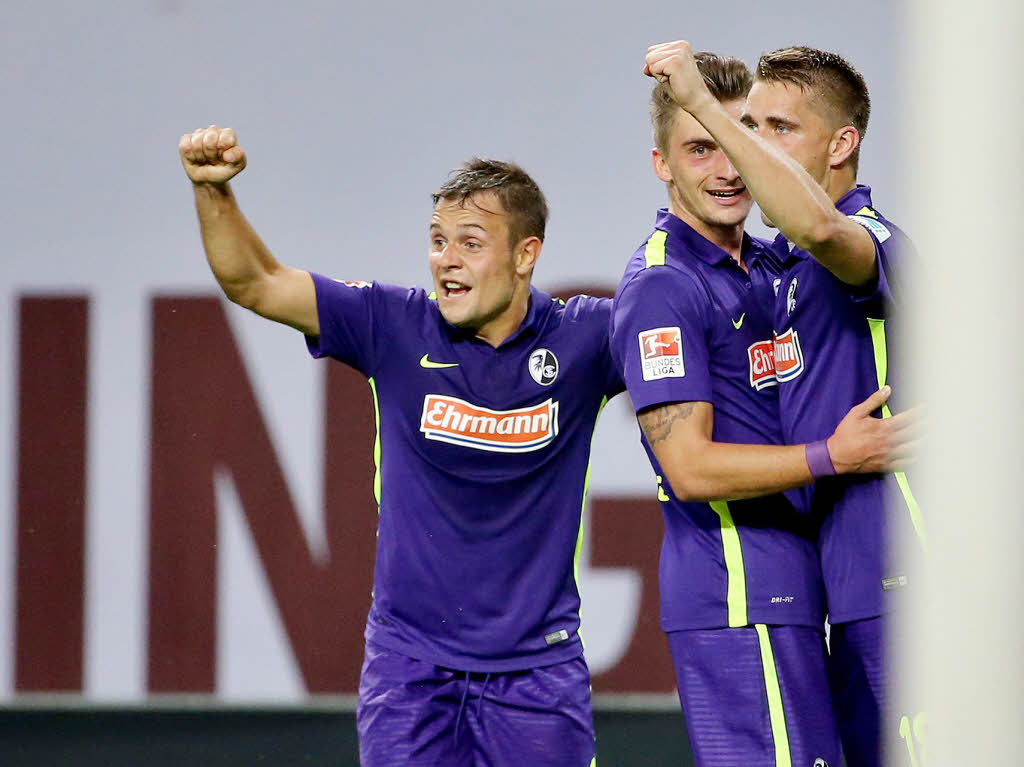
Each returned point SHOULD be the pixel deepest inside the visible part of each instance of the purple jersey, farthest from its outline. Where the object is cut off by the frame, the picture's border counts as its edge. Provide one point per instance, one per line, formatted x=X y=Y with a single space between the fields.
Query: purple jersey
x=482 y=457
x=689 y=324
x=834 y=346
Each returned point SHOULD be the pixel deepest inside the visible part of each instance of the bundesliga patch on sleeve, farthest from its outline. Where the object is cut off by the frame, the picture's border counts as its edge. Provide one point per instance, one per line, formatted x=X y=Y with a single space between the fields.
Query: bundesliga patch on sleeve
x=354 y=283
x=661 y=353
x=877 y=228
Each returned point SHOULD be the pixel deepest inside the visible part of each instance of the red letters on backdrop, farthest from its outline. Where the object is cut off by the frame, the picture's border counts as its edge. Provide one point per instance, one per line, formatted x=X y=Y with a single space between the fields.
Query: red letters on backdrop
x=205 y=418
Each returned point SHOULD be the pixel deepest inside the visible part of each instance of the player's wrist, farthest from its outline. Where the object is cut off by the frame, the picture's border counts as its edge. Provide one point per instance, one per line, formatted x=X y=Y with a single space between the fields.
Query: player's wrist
x=819 y=459
x=702 y=103
x=212 y=190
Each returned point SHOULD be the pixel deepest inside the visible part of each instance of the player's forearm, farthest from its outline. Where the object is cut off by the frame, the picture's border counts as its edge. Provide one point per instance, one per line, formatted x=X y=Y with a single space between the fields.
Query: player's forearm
x=236 y=254
x=714 y=471
x=785 y=192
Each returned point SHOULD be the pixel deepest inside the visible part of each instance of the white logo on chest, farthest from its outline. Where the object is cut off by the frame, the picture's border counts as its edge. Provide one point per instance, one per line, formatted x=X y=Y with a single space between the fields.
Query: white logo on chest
x=457 y=422
x=543 y=366
x=791 y=297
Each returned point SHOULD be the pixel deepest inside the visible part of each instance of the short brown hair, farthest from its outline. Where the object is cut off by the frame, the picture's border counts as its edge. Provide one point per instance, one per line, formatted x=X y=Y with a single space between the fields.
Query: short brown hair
x=727 y=78
x=829 y=77
x=517 y=192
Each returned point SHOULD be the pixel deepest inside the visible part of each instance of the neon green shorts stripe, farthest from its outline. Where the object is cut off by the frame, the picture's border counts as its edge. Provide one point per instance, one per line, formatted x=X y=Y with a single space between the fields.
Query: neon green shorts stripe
x=776 y=713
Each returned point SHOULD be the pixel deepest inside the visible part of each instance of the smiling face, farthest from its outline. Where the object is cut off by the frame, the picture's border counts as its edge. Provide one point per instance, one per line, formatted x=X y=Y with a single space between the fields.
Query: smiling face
x=705 y=190
x=482 y=281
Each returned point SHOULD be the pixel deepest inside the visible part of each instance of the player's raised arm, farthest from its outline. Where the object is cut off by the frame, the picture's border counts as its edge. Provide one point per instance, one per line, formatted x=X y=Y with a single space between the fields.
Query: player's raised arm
x=246 y=270
x=700 y=469
x=788 y=195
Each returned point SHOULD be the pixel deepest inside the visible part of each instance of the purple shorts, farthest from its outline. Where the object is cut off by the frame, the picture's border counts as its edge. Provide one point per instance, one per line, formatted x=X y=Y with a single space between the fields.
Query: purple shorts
x=415 y=713
x=756 y=696
x=857 y=674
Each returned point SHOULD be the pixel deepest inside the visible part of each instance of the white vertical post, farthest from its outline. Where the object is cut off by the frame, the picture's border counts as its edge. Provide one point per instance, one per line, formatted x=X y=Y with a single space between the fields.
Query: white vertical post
x=965 y=635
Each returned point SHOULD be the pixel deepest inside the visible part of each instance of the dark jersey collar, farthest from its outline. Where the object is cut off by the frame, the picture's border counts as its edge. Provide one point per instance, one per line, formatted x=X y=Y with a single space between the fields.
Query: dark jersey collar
x=857 y=198
x=699 y=245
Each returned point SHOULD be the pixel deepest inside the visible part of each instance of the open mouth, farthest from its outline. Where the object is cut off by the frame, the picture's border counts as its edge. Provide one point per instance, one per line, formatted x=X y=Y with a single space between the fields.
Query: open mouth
x=727 y=194
x=454 y=289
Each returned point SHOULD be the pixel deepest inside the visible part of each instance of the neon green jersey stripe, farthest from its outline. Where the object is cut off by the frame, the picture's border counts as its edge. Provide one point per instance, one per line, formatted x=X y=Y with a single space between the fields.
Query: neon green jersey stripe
x=776 y=713
x=654 y=253
x=583 y=505
x=882 y=371
x=736 y=597
x=878 y=345
x=376 y=444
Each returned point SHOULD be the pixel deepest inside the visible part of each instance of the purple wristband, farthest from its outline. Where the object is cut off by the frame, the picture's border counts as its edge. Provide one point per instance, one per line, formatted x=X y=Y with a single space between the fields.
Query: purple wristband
x=818 y=459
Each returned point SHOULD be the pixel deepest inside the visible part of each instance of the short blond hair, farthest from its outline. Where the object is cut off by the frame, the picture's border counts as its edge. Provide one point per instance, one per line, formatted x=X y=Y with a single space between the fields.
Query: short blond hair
x=727 y=78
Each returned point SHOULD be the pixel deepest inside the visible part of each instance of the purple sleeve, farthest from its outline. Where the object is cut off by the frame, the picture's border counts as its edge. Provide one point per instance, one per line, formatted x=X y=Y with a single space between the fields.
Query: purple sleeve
x=659 y=338
x=892 y=249
x=597 y=312
x=348 y=319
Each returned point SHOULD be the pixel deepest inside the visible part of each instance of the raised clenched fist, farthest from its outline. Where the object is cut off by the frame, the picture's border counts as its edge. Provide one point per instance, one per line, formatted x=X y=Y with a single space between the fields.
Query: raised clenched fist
x=674 y=63
x=211 y=155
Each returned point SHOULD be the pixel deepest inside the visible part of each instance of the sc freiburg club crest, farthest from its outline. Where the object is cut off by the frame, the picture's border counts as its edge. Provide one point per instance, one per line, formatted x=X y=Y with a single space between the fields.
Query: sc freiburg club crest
x=543 y=366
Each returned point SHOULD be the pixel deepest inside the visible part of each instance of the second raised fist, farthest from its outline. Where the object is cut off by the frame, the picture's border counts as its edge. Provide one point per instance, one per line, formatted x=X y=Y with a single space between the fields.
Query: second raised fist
x=211 y=155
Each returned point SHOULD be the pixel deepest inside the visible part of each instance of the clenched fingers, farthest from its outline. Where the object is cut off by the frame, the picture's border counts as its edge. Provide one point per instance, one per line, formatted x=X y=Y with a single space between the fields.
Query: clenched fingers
x=185 y=146
x=226 y=139
x=210 y=145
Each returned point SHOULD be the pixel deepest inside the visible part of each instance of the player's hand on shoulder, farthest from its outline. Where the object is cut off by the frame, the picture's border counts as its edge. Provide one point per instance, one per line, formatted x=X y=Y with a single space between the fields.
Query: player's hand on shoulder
x=865 y=444
x=211 y=155
x=675 y=64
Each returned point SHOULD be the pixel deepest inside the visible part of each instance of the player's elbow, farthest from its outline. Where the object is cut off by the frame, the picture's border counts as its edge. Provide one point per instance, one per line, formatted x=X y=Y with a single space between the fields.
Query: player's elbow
x=689 y=485
x=822 y=231
x=695 y=495
x=257 y=294
x=245 y=294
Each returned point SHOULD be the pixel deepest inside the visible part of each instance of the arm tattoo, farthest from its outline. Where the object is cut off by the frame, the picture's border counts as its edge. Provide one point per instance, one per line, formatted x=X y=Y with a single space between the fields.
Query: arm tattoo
x=657 y=423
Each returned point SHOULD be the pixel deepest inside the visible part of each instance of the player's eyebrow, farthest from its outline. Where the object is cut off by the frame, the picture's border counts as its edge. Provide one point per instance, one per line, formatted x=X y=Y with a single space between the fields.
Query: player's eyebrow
x=436 y=227
x=777 y=120
x=701 y=142
x=748 y=119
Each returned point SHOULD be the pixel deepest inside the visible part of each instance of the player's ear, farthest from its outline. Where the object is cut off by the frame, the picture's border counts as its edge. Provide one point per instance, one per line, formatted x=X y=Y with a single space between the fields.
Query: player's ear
x=844 y=141
x=527 y=252
x=660 y=164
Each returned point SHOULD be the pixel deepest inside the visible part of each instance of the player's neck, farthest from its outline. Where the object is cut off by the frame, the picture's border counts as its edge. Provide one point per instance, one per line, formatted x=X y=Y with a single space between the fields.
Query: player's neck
x=728 y=237
x=838 y=183
x=496 y=331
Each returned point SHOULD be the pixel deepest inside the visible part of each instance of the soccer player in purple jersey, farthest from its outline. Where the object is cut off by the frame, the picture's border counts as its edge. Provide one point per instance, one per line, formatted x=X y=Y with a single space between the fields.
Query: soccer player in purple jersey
x=797 y=150
x=487 y=392
x=741 y=591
